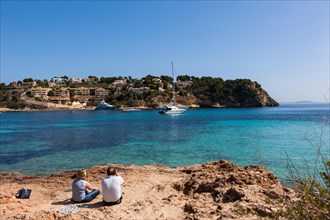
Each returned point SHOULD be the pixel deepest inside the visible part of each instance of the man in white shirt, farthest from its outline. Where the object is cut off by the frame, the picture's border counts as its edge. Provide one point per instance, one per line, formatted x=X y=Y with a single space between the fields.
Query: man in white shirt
x=111 y=187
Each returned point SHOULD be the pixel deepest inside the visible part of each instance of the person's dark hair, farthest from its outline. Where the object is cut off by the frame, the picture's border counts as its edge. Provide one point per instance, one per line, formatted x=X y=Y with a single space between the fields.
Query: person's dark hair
x=111 y=171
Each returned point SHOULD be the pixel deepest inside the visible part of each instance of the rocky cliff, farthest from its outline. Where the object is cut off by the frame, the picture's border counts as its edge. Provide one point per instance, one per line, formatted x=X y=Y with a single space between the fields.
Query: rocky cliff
x=232 y=93
x=261 y=99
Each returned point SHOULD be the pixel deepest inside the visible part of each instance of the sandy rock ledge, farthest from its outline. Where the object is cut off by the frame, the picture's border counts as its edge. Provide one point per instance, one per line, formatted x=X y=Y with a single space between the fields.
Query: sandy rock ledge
x=214 y=190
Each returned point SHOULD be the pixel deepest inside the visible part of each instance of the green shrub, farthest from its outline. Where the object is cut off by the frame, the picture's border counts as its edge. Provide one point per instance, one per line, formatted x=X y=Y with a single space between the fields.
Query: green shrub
x=312 y=200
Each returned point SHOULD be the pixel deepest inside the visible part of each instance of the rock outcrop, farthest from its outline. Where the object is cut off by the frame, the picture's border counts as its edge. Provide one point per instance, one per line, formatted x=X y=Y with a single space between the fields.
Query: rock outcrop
x=222 y=189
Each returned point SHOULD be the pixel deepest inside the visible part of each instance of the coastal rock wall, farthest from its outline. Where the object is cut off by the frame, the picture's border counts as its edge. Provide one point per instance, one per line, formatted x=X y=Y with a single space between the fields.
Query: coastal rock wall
x=214 y=190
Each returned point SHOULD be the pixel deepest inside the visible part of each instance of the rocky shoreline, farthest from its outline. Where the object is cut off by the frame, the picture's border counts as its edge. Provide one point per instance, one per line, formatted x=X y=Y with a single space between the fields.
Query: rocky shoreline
x=214 y=190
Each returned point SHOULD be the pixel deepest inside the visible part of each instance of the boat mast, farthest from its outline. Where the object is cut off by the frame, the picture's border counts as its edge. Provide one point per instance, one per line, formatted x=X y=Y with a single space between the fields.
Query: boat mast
x=174 y=103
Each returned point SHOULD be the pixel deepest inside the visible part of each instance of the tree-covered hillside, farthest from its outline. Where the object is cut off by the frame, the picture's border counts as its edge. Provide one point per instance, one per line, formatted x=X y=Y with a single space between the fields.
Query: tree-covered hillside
x=149 y=91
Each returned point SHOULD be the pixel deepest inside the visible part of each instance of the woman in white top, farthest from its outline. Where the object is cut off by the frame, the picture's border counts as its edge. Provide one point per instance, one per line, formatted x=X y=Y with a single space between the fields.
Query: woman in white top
x=111 y=187
x=80 y=186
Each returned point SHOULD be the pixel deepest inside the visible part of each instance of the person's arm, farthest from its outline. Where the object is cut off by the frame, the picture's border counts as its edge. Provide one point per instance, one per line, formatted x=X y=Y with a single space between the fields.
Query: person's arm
x=121 y=180
x=89 y=186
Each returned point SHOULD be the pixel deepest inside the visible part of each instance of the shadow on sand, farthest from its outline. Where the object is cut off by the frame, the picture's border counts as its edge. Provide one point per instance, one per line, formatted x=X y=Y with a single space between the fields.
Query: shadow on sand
x=64 y=202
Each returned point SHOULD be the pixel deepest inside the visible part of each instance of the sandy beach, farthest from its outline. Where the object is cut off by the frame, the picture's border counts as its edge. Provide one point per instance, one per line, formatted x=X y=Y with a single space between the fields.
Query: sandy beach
x=215 y=190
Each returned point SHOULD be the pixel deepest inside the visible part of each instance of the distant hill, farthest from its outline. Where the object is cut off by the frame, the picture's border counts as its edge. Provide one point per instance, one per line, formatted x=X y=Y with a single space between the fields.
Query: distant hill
x=304 y=102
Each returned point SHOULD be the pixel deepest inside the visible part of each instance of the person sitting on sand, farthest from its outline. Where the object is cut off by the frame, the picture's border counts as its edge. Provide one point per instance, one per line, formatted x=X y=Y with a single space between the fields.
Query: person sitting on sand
x=111 y=187
x=80 y=186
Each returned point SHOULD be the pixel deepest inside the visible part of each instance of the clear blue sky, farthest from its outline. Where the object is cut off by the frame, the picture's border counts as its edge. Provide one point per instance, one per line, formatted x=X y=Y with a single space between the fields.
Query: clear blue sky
x=283 y=45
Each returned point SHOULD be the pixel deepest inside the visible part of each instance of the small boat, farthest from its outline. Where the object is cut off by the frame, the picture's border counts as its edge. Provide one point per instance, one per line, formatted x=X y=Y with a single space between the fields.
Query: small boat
x=104 y=106
x=172 y=109
x=131 y=109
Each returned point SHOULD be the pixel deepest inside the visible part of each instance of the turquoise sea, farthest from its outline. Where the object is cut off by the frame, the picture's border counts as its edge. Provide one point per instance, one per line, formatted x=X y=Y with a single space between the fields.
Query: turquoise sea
x=46 y=142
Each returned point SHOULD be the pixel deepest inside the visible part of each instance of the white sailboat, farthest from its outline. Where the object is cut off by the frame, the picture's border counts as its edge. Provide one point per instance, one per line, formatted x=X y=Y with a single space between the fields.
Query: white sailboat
x=172 y=109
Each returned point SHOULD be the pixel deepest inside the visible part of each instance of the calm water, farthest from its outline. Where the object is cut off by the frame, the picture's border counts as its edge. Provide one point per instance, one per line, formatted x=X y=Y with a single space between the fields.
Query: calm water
x=46 y=142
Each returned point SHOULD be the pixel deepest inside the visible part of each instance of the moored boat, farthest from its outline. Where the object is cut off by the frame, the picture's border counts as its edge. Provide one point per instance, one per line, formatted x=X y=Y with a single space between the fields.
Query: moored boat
x=172 y=109
x=131 y=109
x=104 y=106
x=168 y=109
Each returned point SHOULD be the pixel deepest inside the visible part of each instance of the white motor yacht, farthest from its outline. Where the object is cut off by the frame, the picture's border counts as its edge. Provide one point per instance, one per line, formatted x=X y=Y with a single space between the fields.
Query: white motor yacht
x=171 y=110
x=104 y=106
